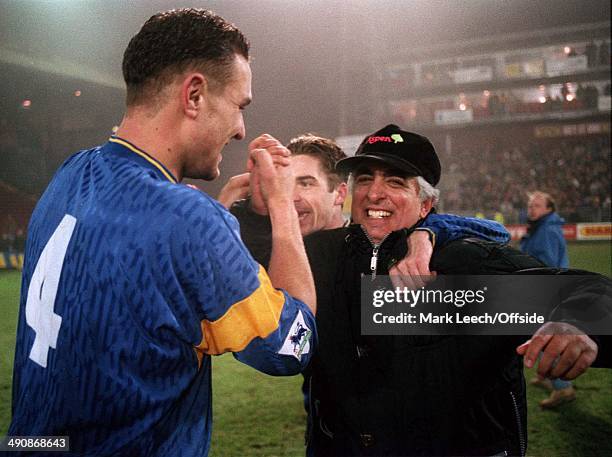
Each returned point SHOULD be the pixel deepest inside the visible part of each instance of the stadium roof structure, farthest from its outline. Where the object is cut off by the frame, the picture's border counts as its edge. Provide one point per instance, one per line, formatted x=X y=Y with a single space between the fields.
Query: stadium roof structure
x=508 y=41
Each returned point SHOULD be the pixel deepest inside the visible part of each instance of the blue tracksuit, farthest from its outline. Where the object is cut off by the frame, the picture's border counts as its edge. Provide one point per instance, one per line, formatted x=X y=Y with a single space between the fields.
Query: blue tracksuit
x=545 y=241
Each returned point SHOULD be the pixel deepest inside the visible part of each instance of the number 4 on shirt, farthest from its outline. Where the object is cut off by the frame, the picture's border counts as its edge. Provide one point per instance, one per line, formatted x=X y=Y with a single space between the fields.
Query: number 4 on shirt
x=43 y=290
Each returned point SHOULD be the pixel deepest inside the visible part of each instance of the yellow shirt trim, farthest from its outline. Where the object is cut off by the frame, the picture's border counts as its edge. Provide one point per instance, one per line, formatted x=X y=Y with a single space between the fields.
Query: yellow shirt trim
x=145 y=156
x=256 y=316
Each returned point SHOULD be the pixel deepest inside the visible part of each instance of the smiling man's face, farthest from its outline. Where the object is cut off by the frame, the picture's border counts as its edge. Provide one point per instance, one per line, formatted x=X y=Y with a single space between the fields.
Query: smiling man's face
x=220 y=121
x=315 y=203
x=384 y=200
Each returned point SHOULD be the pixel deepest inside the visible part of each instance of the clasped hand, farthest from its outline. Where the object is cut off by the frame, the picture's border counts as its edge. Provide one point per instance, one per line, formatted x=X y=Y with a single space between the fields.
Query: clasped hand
x=271 y=177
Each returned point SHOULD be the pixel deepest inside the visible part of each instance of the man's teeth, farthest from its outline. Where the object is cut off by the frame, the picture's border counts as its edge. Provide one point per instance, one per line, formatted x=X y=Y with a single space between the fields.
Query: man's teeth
x=378 y=214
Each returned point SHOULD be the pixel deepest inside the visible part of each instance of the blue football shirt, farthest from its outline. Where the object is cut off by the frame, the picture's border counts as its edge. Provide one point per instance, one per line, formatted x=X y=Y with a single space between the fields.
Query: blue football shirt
x=130 y=283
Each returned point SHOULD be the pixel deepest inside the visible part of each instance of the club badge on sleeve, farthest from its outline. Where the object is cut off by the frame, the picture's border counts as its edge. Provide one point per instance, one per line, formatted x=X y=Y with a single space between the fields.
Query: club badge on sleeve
x=297 y=342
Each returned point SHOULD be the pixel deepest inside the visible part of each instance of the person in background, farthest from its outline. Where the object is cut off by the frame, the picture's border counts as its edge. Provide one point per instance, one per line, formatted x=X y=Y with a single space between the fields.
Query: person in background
x=544 y=241
x=318 y=197
x=499 y=217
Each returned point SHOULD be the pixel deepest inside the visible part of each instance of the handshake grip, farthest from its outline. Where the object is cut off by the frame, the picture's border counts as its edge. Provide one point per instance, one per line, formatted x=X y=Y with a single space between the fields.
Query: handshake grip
x=271 y=176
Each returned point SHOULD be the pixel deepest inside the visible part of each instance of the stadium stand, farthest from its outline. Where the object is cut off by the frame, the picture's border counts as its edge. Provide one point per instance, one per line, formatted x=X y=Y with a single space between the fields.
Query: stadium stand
x=510 y=114
x=493 y=177
x=16 y=210
x=44 y=117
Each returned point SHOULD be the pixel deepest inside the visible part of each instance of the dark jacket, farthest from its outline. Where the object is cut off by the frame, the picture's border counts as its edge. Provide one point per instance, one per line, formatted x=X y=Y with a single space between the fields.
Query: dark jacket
x=409 y=395
x=256 y=230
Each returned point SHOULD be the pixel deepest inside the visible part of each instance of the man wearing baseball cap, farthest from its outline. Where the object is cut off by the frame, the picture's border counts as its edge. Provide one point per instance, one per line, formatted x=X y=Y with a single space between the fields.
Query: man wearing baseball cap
x=416 y=395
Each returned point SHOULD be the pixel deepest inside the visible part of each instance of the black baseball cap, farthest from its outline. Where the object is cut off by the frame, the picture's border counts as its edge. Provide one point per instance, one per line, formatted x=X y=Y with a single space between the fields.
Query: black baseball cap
x=398 y=148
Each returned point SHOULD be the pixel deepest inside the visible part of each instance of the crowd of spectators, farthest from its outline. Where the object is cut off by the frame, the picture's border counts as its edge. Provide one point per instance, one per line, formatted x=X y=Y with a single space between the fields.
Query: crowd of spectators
x=15 y=210
x=12 y=242
x=495 y=179
x=23 y=153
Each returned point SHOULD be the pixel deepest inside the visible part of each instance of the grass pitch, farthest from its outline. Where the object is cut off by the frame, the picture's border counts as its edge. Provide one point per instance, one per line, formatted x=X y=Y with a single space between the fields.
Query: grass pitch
x=258 y=415
x=10 y=282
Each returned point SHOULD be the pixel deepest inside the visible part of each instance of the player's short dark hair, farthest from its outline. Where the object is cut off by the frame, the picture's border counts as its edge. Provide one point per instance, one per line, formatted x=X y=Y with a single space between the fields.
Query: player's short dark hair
x=325 y=150
x=173 y=41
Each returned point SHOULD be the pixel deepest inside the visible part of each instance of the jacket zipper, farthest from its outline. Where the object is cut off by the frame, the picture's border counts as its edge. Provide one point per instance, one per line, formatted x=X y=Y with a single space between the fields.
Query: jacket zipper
x=518 y=424
x=375 y=248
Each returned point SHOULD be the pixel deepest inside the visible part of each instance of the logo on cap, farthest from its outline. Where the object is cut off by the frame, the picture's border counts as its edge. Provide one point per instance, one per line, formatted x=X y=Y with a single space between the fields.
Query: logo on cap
x=396 y=138
x=376 y=139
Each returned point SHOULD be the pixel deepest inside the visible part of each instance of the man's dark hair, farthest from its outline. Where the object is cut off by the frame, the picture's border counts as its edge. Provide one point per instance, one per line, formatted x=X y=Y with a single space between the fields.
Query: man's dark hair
x=173 y=41
x=325 y=150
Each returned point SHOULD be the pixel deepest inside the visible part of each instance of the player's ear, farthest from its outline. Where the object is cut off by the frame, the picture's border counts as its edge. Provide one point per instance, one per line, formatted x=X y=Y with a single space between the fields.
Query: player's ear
x=342 y=190
x=193 y=94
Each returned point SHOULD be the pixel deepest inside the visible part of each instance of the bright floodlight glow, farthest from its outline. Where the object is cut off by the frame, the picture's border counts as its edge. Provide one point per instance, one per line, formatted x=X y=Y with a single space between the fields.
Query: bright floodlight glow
x=462 y=106
x=570 y=97
x=542 y=99
x=567 y=49
x=26 y=103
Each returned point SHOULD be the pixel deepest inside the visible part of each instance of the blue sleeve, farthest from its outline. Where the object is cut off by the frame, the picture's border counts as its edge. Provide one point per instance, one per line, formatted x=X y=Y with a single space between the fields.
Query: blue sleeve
x=448 y=227
x=235 y=306
x=287 y=349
